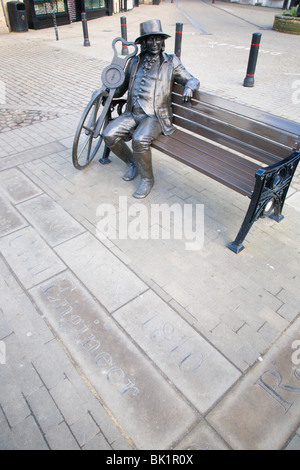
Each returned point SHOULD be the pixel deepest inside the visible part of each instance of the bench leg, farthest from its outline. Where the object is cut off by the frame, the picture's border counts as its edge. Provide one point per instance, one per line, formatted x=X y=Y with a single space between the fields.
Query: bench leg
x=237 y=245
x=271 y=187
x=277 y=215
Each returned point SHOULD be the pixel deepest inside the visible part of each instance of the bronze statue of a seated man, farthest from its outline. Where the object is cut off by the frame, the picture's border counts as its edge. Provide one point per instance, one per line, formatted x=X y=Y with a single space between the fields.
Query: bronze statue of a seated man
x=149 y=79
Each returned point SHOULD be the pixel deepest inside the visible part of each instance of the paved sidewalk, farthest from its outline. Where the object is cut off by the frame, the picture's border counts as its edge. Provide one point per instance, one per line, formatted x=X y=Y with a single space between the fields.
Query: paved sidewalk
x=141 y=344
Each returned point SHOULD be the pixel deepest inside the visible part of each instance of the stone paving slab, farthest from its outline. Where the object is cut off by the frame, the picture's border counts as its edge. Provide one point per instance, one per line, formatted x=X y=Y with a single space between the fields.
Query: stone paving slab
x=294 y=201
x=30 y=257
x=29 y=155
x=195 y=367
x=261 y=411
x=17 y=187
x=102 y=272
x=10 y=219
x=148 y=408
x=50 y=220
x=202 y=437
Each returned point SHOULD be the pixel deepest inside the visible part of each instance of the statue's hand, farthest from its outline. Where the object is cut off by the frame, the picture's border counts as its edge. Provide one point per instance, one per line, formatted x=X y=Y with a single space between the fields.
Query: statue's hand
x=187 y=95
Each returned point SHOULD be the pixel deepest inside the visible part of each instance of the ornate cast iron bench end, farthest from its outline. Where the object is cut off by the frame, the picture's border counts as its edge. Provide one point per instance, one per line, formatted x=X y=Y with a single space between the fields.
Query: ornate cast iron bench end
x=271 y=187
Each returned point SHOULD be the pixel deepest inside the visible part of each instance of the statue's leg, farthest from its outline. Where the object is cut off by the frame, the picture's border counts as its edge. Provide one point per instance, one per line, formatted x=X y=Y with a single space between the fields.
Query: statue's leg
x=147 y=131
x=144 y=164
x=114 y=133
x=121 y=150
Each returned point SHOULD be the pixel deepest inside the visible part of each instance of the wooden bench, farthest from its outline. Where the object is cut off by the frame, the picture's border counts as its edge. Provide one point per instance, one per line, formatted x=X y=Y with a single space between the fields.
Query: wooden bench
x=249 y=151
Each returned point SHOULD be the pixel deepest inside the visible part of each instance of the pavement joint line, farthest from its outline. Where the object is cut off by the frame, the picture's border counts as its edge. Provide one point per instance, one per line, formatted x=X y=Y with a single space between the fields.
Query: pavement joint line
x=232 y=14
x=192 y=21
x=35 y=420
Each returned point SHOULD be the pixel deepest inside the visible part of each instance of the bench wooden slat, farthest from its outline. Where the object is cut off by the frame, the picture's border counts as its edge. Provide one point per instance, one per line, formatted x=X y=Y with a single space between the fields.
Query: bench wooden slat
x=207 y=165
x=248 y=139
x=236 y=162
x=202 y=158
x=277 y=125
x=248 y=142
x=233 y=143
x=282 y=138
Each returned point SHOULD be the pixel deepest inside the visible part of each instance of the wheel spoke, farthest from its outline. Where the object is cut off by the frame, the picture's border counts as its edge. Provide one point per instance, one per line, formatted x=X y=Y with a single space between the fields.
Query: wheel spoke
x=86 y=143
x=89 y=139
x=89 y=149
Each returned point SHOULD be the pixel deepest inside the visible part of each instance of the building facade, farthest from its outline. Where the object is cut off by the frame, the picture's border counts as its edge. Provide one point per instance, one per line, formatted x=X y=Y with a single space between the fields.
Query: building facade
x=40 y=12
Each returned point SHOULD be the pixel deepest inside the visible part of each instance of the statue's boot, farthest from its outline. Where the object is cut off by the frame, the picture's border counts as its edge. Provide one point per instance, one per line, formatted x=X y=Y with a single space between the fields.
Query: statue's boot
x=123 y=152
x=144 y=164
x=131 y=171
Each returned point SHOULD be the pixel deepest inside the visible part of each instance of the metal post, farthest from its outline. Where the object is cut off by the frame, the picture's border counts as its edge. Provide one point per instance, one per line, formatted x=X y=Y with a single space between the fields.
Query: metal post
x=54 y=19
x=110 y=7
x=249 y=79
x=85 y=30
x=178 y=39
x=124 y=34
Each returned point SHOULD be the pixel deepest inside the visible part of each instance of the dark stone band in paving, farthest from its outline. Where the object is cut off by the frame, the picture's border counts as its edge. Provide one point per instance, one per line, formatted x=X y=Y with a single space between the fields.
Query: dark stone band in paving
x=11 y=119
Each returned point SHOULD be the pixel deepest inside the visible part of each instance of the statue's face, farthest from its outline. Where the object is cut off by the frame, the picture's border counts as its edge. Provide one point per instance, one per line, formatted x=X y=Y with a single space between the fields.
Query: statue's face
x=154 y=44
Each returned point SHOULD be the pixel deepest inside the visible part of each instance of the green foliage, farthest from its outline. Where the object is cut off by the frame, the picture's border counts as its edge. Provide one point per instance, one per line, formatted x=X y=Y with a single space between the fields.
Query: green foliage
x=292 y=12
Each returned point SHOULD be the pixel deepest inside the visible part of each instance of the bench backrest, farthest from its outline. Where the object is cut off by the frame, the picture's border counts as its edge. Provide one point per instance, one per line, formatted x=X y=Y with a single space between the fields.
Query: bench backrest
x=259 y=135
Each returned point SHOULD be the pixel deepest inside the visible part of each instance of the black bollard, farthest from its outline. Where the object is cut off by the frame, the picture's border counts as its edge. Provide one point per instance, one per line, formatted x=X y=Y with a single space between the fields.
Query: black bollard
x=249 y=79
x=54 y=19
x=124 y=34
x=85 y=30
x=178 y=39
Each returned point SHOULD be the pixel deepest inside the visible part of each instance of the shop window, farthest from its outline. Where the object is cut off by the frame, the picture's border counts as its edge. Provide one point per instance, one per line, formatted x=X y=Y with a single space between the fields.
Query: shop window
x=94 y=4
x=42 y=7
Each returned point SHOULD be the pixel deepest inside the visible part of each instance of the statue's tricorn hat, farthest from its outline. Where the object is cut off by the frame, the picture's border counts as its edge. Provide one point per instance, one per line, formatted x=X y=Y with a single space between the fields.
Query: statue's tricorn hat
x=151 y=28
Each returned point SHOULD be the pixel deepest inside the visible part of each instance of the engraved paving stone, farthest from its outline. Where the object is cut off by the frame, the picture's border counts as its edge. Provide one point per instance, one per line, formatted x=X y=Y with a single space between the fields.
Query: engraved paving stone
x=260 y=413
x=147 y=407
x=103 y=274
x=30 y=257
x=17 y=186
x=201 y=373
x=50 y=220
x=10 y=220
x=202 y=437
